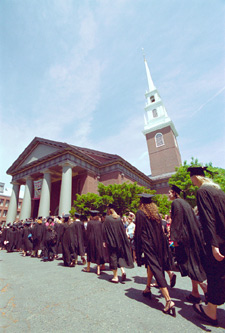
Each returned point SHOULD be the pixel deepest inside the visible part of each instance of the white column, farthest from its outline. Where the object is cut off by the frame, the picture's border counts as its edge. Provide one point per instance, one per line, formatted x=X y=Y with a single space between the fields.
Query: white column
x=26 y=206
x=13 y=205
x=66 y=188
x=44 y=205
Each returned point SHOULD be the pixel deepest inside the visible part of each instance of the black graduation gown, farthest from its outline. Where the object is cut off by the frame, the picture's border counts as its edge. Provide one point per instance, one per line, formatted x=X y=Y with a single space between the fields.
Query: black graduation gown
x=27 y=244
x=186 y=231
x=79 y=238
x=117 y=243
x=211 y=207
x=150 y=241
x=12 y=238
x=95 y=249
x=68 y=248
x=49 y=242
x=37 y=235
x=59 y=227
x=19 y=243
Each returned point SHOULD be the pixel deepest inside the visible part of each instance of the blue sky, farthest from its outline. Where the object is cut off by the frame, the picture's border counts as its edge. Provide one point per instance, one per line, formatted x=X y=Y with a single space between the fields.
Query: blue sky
x=73 y=71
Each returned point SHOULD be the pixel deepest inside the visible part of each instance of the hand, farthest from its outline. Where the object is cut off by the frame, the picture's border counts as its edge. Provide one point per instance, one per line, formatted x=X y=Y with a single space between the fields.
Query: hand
x=216 y=253
x=104 y=245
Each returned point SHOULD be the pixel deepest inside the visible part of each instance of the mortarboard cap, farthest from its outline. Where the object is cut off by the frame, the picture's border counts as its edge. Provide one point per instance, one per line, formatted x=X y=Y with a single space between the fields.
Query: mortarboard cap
x=197 y=171
x=94 y=212
x=66 y=217
x=83 y=217
x=77 y=214
x=176 y=189
x=146 y=197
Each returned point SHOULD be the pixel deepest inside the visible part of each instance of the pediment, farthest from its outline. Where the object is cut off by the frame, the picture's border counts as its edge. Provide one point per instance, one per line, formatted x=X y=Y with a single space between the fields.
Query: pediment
x=39 y=152
x=38 y=149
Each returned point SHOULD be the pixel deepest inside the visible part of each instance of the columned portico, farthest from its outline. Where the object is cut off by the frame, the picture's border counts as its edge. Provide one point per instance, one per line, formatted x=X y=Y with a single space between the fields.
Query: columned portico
x=13 y=205
x=26 y=206
x=44 y=206
x=59 y=171
x=66 y=188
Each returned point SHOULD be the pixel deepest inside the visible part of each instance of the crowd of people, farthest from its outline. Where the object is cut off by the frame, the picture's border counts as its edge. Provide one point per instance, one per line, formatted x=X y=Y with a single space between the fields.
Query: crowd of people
x=189 y=241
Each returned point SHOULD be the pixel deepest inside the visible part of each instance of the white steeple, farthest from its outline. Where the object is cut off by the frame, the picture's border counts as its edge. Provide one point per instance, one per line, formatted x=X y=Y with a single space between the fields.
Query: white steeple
x=156 y=116
x=149 y=78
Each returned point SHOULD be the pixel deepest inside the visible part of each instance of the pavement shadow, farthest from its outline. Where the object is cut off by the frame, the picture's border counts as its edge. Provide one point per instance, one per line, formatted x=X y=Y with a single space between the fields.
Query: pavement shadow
x=156 y=302
x=140 y=280
x=182 y=308
x=185 y=309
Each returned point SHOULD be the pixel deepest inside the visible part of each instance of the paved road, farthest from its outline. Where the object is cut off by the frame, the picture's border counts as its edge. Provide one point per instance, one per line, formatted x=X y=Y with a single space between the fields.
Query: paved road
x=48 y=297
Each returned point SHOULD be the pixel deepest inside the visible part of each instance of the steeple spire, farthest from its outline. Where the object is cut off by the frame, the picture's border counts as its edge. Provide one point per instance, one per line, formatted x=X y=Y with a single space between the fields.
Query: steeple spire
x=151 y=85
x=160 y=132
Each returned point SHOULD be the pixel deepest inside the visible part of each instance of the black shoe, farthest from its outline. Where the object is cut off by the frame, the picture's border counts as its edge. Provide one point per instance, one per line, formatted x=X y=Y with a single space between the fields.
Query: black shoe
x=192 y=299
x=147 y=294
x=124 y=276
x=202 y=313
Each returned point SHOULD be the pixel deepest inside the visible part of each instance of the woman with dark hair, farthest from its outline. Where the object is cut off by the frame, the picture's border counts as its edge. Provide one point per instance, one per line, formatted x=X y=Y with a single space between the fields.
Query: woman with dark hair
x=117 y=244
x=211 y=209
x=150 y=241
x=185 y=232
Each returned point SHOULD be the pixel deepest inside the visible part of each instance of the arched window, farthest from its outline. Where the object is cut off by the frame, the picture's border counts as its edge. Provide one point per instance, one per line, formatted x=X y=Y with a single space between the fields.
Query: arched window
x=159 y=140
x=152 y=99
x=154 y=113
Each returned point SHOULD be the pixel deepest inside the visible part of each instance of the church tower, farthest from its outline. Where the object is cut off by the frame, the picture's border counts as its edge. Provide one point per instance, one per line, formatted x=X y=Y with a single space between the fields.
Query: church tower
x=160 y=133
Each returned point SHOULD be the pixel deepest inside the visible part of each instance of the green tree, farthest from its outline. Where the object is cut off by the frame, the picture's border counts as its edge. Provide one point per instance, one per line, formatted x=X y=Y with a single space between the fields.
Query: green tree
x=124 y=196
x=182 y=179
x=164 y=205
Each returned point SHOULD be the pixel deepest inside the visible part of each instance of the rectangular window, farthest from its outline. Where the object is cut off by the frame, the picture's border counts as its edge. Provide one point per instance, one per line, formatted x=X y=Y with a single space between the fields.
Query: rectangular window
x=7 y=203
x=4 y=213
x=1 y=202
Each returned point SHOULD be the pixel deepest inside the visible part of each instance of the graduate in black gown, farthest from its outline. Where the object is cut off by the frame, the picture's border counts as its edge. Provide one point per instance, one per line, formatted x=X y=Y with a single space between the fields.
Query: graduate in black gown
x=38 y=232
x=95 y=250
x=27 y=244
x=79 y=238
x=117 y=244
x=49 y=240
x=211 y=208
x=68 y=248
x=151 y=248
x=185 y=232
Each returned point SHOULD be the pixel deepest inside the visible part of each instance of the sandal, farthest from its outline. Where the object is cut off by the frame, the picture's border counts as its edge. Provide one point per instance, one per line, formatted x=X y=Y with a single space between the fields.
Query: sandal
x=169 y=308
x=114 y=281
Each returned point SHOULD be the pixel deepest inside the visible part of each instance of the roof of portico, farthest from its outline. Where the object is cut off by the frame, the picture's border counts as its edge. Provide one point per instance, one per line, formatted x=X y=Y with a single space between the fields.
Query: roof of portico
x=95 y=159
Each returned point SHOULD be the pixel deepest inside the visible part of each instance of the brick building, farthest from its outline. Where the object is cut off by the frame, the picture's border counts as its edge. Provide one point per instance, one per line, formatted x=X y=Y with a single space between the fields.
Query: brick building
x=54 y=172
x=4 y=206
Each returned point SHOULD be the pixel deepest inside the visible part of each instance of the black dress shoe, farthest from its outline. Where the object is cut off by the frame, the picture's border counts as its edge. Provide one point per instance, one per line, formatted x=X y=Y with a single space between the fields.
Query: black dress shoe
x=147 y=294
x=202 y=313
x=192 y=299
